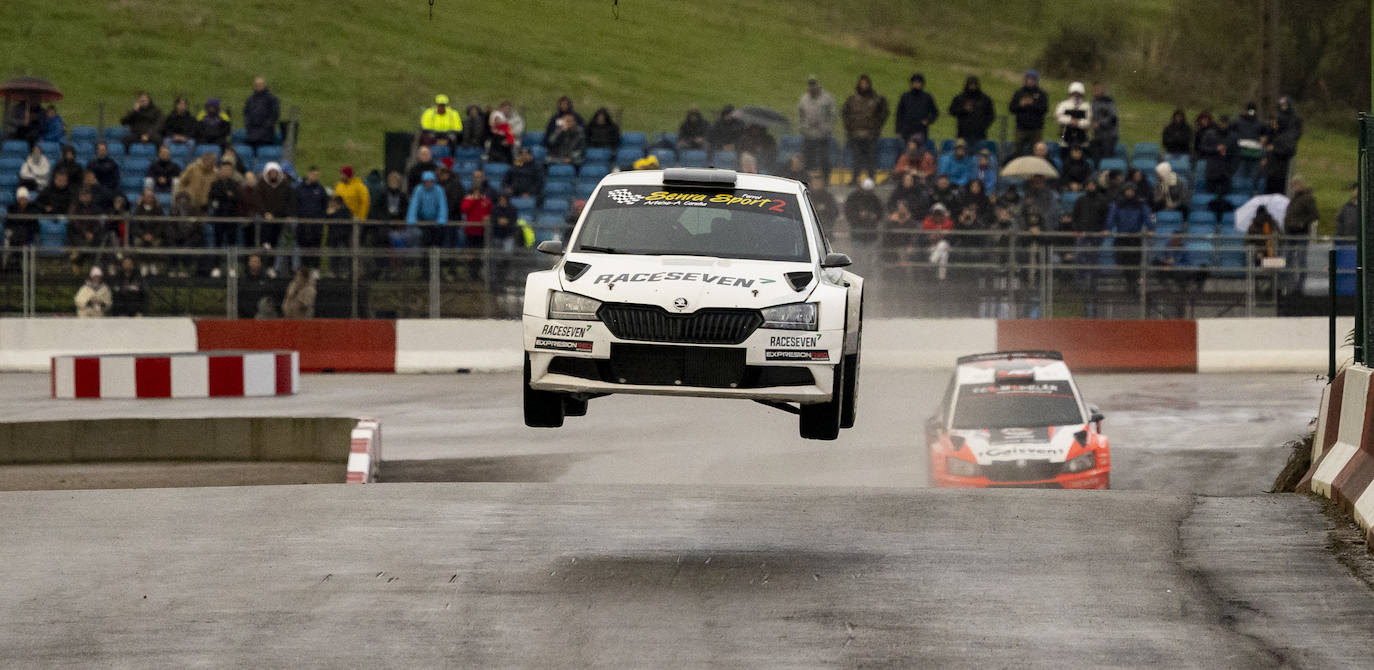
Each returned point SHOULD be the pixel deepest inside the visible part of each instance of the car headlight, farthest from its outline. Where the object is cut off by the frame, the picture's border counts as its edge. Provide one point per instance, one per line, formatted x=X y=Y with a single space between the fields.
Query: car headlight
x=1082 y=463
x=571 y=306
x=796 y=316
x=960 y=467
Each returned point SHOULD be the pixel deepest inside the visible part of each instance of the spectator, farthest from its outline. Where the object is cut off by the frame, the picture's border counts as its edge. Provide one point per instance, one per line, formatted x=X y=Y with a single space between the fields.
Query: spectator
x=476 y=207
x=105 y=168
x=1245 y=132
x=726 y=131
x=525 y=178
x=910 y=161
x=1090 y=215
x=86 y=227
x=67 y=163
x=816 y=116
x=93 y=299
x=502 y=136
x=129 y=296
x=937 y=221
x=21 y=232
x=474 y=127
x=1077 y=170
x=145 y=233
x=428 y=203
x=354 y=193
x=602 y=131
x=1171 y=192
x=1138 y=179
x=1218 y=173
x=864 y=114
x=505 y=223
x=391 y=204
x=1074 y=116
x=1299 y=221
x=757 y=143
x=250 y=197
x=257 y=295
x=441 y=124
x=1042 y=200
x=143 y=120
x=958 y=165
x=899 y=232
x=54 y=128
x=180 y=126
x=1127 y=219
x=943 y=193
x=299 y=302
x=312 y=201
x=827 y=209
x=863 y=210
x=985 y=171
x=568 y=144
x=1262 y=235
x=1205 y=136
x=564 y=108
x=213 y=125
x=1347 y=221
x=796 y=169
x=916 y=110
x=479 y=179
x=1283 y=146
x=691 y=133
x=336 y=235
x=1177 y=137
x=196 y=179
x=278 y=203
x=974 y=112
x=514 y=118
x=261 y=112
x=163 y=173
x=424 y=162
x=56 y=198
x=1029 y=104
x=453 y=188
x=913 y=193
x=189 y=234
x=975 y=198
x=36 y=172
x=224 y=202
x=1104 y=122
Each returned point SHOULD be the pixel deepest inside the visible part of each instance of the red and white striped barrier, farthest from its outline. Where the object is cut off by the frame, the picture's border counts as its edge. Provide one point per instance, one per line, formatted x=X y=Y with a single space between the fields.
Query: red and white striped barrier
x=203 y=374
x=365 y=452
x=1343 y=448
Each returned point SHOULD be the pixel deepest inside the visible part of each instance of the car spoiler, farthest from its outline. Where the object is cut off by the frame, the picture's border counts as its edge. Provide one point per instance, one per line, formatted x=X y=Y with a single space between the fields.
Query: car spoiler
x=708 y=177
x=1010 y=355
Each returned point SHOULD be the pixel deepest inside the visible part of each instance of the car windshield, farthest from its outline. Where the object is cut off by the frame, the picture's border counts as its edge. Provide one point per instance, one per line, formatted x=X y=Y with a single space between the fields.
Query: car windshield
x=1026 y=404
x=670 y=220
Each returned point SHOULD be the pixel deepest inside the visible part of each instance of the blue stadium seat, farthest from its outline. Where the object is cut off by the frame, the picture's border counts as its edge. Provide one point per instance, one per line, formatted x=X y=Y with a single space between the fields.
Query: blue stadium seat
x=238 y=136
x=522 y=203
x=548 y=226
x=203 y=149
x=11 y=164
x=165 y=199
x=145 y=150
x=1241 y=185
x=1201 y=200
x=533 y=138
x=692 y=158
x=538 y=152
x=84 y=134
x=14 y=148
x=792 y=144
x=634 y=138
x=9 y=180
x=1055 y=148
x=1181 y=165
x=563 y=171
x=84 y=148
x=270 y=152
x=1237 y=199
x=181 y=153
x=116 y=133
x=467 y=166
x=666 y=157
x=1120 y=151
x=1067 y=200
x=6 y=199
x=660 y=139
x=1109 y=164
x=132 y=182
x=584 y=189
x=496 y=171
x=1199 y=252
x=1231 y=253
x=558 y=205
x=136 y=165
x=1146 y=150
x=52 y=233
x=598 y=155
x=1168 y=219
x=467 y=153
x=558 y=189
x=440 y=152
x=1200 y=216
x=51 y=149
x=1146 y=165
x=726 y=159
x=628 y=155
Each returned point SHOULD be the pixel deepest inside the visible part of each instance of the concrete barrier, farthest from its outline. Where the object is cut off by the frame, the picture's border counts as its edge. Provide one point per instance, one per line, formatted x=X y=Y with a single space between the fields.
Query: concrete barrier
x=272 y=439
x=202 y=374
x=448 y=345
x=1297 y=344
x=1343 y=448
x=365 y=452
x=30 y=344
x=1158 y=345
x=925 y=343
x=325 y=345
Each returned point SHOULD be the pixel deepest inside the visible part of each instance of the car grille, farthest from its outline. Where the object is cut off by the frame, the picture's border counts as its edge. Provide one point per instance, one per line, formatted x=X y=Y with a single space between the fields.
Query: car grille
x=1011 y=471
x=755 y=376
x=655 y=324
x=670 y=366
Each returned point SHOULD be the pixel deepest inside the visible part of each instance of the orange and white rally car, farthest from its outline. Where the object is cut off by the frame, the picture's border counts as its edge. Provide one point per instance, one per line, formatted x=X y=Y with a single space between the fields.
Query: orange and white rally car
x=1015 y=418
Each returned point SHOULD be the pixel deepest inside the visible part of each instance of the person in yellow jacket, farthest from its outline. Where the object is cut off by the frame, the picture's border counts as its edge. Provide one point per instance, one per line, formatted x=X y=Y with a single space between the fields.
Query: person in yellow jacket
x=354 y=193
x=441 y=122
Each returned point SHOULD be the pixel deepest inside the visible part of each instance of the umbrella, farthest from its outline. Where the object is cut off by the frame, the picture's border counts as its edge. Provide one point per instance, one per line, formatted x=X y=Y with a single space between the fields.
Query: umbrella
x=1030 y=166
x=30 y=88
x=762 y=116
x=1276 y=203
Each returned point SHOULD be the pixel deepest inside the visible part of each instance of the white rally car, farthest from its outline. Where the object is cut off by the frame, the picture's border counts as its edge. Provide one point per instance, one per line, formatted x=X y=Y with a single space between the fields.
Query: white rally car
x=695 y=282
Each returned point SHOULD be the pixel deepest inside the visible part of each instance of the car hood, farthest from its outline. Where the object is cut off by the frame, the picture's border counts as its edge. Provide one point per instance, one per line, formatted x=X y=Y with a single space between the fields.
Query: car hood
x=668 y=281
x=1045 y=443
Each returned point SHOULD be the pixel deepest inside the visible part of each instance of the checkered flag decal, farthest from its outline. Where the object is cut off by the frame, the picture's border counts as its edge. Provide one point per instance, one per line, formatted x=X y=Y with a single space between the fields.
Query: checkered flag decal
x=624 y=196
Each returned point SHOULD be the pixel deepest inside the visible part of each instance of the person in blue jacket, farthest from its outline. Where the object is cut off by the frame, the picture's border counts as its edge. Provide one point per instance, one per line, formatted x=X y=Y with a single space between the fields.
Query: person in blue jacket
x=429 y=203
x=1129 y=216
x=958 y=164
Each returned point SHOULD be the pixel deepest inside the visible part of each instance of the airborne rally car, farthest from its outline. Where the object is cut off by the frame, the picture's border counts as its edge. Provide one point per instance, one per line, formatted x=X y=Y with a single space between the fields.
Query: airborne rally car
x=1015 y=418
x=695 y=282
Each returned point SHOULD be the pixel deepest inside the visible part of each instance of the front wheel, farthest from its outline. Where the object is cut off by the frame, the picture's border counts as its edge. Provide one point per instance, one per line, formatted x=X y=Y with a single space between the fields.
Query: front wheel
x=821 y=421
x=543 y=409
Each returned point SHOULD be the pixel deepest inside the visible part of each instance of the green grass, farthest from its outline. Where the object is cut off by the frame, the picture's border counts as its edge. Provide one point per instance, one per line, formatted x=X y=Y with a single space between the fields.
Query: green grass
x=359 y=67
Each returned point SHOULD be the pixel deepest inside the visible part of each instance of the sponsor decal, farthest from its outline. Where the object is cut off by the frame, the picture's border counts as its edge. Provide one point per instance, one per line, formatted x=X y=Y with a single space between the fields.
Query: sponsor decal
x=565 y=331
x=796 y=341
x=1022 y=451
x=703 y=277
x=1019 y=435
x=562 y=345
x=624 y=196
x=778 y=203
x=796 y=355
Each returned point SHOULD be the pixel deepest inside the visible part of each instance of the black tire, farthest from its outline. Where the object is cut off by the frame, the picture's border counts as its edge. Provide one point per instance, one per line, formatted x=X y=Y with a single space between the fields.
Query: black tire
x=574 y=407
x=849 y=407
x=821 y=421
x=543 y=409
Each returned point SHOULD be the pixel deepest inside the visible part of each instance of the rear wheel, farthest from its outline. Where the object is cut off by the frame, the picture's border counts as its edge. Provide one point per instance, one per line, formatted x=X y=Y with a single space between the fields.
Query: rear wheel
x=821 y=421
x=543 y=409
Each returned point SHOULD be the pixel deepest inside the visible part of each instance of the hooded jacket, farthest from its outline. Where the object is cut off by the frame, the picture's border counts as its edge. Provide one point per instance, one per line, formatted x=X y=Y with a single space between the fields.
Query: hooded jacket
x=603 y=133
x=973 y=110
x=1030 y=116
x=1290 y=131
x=195 y=181
x=864 y=112
x=213 y=128
x=1178 y=135
x=1104 y=118
x=427 y=203
x=816 y=115
x=141 y=122
x=1129 y=217
x=261 y=111
x=355 y=196
x=916 y=111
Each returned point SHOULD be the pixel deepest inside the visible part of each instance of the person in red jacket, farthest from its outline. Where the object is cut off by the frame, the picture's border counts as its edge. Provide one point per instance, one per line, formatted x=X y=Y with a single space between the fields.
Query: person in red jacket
x=476 y=209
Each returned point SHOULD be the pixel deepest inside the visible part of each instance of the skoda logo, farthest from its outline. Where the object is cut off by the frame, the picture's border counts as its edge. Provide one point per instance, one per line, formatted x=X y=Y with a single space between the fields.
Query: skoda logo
x=680 y=304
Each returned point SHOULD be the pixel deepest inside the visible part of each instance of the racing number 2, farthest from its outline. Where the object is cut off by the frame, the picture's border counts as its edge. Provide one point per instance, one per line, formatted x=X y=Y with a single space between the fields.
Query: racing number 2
x=778 y=207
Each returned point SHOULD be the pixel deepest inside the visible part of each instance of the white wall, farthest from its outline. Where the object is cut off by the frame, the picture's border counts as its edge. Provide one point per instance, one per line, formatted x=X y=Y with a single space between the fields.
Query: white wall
x=1279 y=344
x=29 y=344
x=446 y=345
x=925 y=343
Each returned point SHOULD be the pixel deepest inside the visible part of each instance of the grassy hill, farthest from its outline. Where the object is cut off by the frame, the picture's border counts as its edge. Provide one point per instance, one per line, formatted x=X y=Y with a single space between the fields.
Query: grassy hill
x=359 y=67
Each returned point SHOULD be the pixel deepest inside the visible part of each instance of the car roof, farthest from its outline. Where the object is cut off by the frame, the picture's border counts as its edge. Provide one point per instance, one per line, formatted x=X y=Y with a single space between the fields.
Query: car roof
x=743 y=180
x=1007 y=365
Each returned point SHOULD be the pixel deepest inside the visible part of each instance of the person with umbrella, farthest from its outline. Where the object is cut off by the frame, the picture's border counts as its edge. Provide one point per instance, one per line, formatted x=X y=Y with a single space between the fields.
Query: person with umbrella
x=25 y=96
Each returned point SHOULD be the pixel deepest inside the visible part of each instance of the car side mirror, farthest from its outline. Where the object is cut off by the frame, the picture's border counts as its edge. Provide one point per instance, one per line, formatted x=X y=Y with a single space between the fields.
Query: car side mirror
x=836 y=260
x=1095 y=416
x=554 y=247
x=933 y=426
